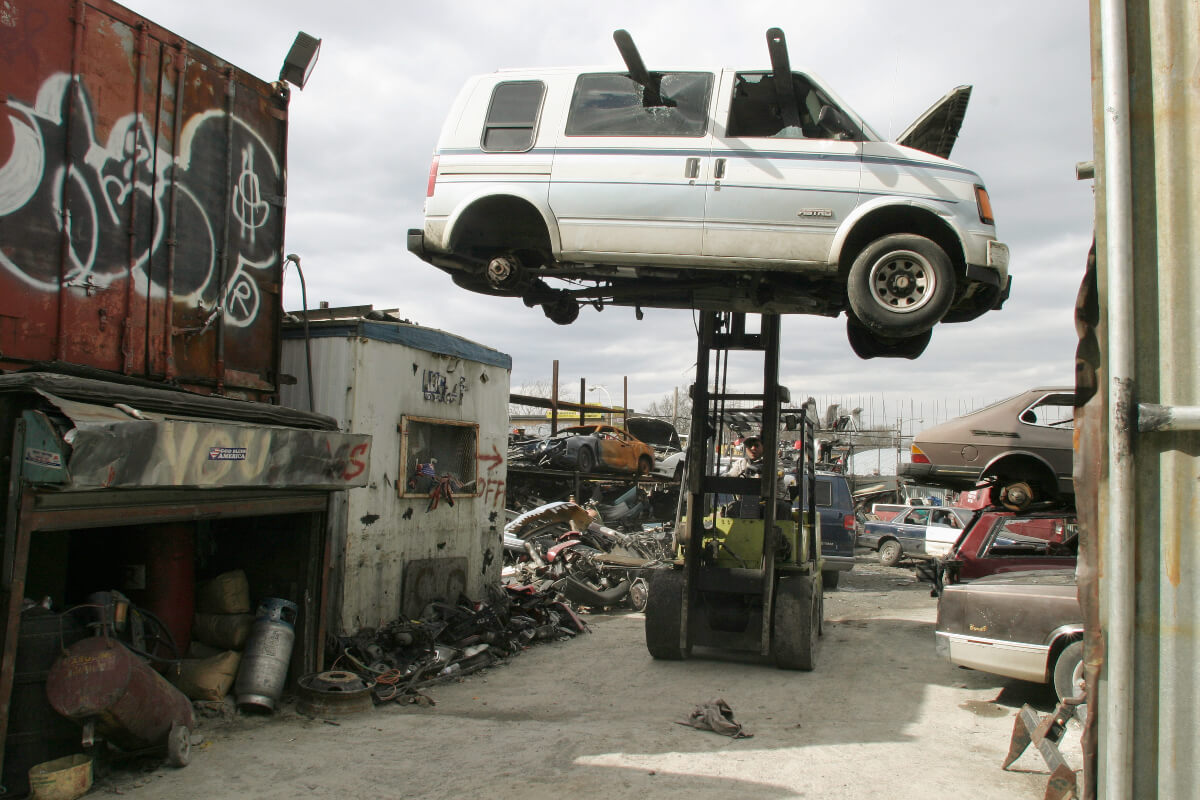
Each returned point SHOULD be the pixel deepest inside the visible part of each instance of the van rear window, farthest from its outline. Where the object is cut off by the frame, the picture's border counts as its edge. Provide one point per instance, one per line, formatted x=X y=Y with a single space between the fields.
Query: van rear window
x=512 y=116
x=824 y=494
x=613 y=104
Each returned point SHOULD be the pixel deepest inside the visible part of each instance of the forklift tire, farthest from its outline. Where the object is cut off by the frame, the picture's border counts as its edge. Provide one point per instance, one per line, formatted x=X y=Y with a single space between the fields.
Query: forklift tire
x=664 y=615
x=796 y=623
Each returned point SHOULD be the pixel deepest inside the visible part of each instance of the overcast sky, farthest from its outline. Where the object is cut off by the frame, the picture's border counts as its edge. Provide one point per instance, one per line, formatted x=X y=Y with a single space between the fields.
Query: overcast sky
x=363 y=131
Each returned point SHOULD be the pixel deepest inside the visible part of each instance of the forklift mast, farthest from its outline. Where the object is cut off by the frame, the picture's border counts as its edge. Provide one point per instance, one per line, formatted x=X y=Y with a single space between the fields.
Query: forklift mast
x=750 y=572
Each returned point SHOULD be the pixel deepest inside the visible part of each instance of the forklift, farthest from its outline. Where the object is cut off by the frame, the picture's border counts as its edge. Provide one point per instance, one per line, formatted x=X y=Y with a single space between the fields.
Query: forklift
x=747 y=573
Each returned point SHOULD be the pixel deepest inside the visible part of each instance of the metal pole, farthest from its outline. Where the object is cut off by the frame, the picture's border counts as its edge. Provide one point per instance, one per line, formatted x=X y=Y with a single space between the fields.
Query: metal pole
x=554 y=400
x=1119 y=536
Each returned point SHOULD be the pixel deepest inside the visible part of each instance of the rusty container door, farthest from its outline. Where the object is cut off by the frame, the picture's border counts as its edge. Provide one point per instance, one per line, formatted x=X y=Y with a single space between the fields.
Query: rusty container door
x=141 y=201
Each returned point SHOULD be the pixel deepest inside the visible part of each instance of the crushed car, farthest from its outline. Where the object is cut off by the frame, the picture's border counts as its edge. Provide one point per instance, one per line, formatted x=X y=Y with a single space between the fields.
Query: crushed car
x=1022 y=445
x=920 y=532
x=1025 y=625
x=588 y=448
x=997 y=541
x=752 y=190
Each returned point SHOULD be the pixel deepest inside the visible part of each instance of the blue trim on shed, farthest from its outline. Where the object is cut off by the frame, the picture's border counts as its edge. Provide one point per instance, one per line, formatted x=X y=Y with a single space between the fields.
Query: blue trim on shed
x=430 y=340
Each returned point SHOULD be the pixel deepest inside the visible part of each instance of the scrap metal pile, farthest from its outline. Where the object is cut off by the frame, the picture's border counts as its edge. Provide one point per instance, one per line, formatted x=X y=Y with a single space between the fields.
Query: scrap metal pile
x=450 y=641
x=561 y=546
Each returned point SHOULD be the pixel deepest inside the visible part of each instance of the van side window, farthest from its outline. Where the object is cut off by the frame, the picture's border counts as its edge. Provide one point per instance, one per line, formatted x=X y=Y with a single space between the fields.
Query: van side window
x=612 y=104
x=755 y=112
x=512 y=116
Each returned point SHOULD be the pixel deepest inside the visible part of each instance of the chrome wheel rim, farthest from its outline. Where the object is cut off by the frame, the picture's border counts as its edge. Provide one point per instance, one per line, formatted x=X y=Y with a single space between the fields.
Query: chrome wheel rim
x=903 y=281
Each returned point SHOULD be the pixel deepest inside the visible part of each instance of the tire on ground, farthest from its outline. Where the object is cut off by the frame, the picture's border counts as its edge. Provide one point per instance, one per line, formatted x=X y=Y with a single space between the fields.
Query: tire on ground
x=796 y=622
x=664 y=615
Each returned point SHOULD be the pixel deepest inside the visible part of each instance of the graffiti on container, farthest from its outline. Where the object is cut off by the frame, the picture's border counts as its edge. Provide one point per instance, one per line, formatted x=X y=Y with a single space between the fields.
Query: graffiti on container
x=495 y=458
x=493 y=492
x=437 y=387
x=62 y=176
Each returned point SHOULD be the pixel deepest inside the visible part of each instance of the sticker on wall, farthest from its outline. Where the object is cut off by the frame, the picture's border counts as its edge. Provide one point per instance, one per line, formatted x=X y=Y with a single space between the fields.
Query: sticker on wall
x=43 y=458
x=226 y=454
x=437 y=388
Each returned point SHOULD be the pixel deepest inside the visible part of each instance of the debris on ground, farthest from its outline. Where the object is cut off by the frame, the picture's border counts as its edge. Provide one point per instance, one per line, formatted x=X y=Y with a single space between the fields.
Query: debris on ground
x=716 y=716
x=450 y=641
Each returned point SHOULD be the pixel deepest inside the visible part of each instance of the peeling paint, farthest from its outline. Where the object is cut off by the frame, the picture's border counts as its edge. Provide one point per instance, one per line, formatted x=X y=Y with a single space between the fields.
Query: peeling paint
x=407 y=514
x=368 y=519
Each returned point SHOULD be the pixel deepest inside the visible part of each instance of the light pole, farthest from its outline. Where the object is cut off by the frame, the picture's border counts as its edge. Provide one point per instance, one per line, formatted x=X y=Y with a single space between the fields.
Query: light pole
x=607 y=398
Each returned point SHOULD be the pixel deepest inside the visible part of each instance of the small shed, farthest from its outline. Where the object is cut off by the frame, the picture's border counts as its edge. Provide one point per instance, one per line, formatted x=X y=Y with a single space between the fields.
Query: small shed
x=428 y=526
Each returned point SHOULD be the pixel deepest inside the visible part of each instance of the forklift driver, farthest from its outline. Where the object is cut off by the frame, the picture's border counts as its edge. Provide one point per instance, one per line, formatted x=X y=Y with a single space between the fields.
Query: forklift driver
x=749 y=506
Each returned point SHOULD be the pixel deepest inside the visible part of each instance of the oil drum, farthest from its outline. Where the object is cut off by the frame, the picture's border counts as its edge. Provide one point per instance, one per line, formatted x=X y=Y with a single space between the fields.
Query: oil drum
x=263 y=672
x=133 y=707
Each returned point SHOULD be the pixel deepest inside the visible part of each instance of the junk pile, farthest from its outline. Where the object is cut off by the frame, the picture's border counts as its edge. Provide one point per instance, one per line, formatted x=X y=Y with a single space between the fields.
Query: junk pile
x=235 y=650
x=450 y=641
x=562 y=546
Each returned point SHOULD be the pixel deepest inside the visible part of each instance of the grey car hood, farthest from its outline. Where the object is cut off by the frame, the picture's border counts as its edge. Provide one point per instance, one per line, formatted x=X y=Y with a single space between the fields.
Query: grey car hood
x=654 y=432
x=936 y=130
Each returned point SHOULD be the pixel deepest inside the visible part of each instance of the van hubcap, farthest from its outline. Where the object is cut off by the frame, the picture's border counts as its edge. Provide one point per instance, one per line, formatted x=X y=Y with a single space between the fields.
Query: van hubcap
x=902 y=281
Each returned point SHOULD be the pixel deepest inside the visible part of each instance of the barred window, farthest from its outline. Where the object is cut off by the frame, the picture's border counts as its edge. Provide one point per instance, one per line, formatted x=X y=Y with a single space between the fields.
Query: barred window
x=432 y=450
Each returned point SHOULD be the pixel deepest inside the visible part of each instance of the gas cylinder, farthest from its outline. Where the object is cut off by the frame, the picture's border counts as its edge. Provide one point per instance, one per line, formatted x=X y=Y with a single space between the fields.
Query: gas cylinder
x=98 y=681
x=264 y=667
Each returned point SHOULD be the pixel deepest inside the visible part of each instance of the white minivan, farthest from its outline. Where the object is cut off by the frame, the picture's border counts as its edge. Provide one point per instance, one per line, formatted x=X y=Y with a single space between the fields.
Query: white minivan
x=752 y=190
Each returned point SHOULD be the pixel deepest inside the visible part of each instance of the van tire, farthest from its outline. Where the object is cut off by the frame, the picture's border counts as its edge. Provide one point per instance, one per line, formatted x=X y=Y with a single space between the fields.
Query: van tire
x=890 y=553
x=901 y=285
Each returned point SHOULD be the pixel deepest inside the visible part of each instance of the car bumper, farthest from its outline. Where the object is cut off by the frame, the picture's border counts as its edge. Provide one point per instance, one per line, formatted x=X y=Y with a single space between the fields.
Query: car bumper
x=1020 y=660
x=837 y=563
x=956 y=477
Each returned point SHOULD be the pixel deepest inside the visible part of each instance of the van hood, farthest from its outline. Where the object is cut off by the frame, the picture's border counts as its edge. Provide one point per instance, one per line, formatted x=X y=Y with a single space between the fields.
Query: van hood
x=936 y=130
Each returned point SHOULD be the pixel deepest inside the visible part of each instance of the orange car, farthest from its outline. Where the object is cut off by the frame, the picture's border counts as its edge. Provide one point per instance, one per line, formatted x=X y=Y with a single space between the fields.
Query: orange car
x=588 y=448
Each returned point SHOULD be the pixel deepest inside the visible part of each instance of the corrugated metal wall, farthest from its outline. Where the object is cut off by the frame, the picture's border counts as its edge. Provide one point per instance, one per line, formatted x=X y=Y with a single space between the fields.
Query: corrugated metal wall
x=1157 y=753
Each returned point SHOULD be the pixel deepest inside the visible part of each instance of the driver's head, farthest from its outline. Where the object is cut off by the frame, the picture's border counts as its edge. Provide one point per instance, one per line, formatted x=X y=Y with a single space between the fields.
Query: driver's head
x=753 y=446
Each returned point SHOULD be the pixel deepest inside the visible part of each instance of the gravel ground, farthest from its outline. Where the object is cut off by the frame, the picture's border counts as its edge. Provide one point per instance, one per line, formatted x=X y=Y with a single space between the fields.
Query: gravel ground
x=881 y=716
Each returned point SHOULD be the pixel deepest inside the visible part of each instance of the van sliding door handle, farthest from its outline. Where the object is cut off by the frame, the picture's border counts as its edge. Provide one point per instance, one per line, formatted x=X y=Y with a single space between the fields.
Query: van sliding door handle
x=719 y=169
x=691 y=168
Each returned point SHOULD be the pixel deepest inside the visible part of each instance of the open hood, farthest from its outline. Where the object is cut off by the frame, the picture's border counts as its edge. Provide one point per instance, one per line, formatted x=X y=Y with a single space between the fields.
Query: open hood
x=654 y=432
x=936 y=130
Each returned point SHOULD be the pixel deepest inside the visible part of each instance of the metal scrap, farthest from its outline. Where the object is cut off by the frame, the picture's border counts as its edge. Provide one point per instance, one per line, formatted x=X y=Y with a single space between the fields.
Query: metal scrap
x=450 y=641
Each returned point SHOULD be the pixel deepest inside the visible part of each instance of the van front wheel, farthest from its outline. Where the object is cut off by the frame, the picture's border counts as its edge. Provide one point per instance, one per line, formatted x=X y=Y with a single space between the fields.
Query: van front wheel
x=901 y=285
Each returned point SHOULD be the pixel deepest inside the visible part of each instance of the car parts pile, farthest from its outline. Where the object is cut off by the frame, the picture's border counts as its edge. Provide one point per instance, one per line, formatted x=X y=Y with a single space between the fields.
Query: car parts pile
x=450 y=641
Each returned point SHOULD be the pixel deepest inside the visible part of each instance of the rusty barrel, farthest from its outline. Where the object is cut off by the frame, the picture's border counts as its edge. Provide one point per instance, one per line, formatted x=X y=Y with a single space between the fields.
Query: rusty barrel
x=132 y=705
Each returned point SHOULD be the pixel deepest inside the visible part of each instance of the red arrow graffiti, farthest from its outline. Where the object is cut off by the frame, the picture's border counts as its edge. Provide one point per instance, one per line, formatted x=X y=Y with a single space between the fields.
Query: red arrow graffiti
x=496 y=459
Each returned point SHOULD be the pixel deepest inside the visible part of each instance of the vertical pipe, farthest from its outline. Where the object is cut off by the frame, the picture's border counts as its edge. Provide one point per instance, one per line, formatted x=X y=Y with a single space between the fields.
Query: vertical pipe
x=64 y=261
x=1119 y=529
x=132 y=255
x=582 y=400
x=173 y=212
x=230 y=95
x=625 y=404
x=554 y=399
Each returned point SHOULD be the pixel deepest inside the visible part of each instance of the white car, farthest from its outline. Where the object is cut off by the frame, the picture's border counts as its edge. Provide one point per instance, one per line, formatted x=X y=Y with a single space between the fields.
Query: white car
x=753 y=190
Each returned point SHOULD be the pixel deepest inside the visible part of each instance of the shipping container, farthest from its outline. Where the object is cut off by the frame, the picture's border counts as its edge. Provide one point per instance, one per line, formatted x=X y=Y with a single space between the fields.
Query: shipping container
x=428 y=525
x=142 y=184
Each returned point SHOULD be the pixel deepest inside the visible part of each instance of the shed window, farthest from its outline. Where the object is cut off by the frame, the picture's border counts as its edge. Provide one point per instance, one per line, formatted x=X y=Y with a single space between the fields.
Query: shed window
x=512 y=116
x=613 y=104
x=436 y=451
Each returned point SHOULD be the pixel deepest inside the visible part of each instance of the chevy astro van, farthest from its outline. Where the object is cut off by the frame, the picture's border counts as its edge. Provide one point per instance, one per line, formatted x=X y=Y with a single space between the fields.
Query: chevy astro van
x=752 y=190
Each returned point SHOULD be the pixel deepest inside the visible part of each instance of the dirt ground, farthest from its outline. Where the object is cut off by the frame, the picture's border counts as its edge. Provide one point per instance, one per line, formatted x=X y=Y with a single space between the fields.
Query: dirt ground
x=881 y=716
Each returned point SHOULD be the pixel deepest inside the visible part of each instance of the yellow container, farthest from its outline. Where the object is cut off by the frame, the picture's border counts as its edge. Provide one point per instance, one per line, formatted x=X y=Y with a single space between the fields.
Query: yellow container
x=61 y=779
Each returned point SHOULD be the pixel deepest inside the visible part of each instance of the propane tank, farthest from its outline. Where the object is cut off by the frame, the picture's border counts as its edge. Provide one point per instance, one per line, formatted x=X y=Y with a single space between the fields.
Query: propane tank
x=264 y=667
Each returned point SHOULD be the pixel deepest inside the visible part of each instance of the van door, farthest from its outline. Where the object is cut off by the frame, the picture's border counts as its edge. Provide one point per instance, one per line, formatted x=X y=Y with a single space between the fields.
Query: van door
x=628 y=178
x=778 y=192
